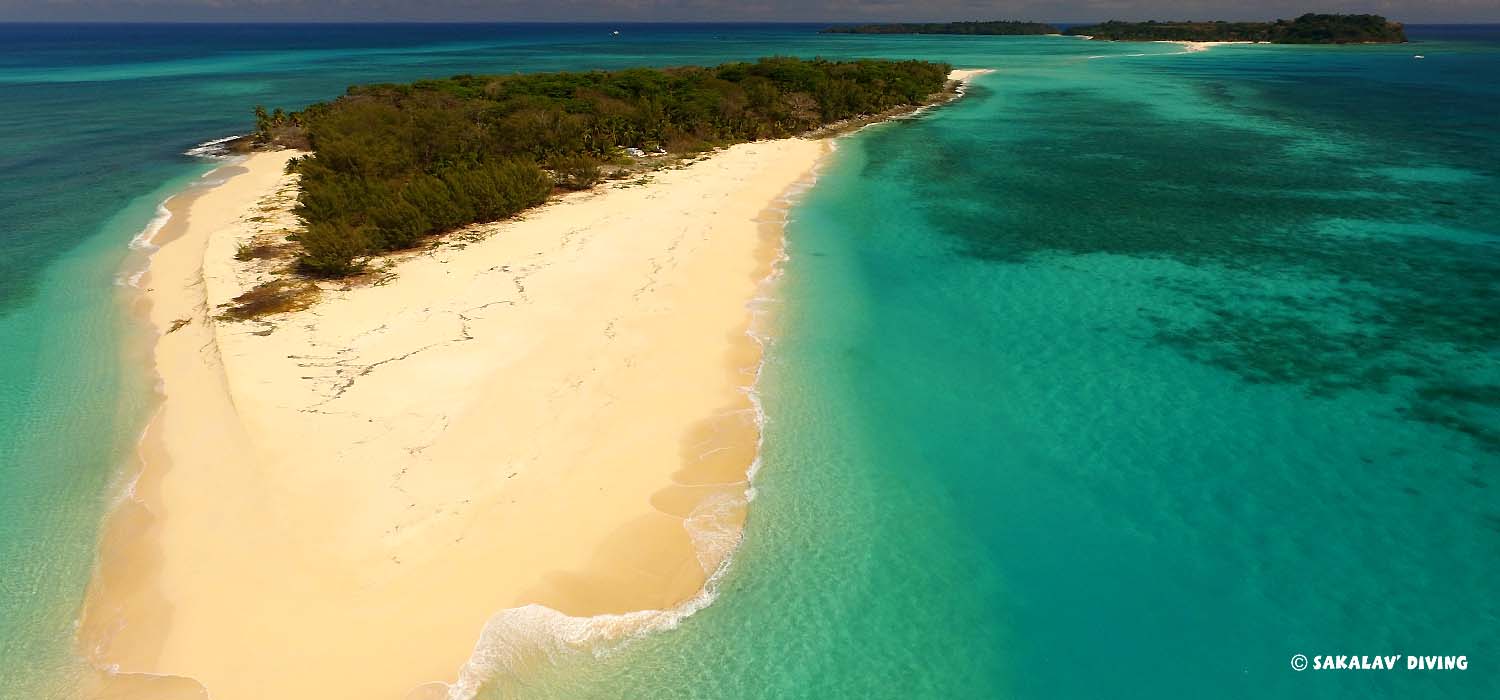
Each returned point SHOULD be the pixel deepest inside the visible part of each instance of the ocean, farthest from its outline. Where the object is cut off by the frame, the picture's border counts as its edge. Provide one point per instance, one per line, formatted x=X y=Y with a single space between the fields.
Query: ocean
x=1134 y=373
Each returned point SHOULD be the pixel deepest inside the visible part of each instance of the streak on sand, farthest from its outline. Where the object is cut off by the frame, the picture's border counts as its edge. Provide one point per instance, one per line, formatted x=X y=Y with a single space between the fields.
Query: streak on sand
x=549 y=417
x=965 y=75
x=1200 y=46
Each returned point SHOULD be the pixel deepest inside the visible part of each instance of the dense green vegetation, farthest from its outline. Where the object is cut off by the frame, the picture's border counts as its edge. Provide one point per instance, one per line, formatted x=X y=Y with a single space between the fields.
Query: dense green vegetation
x=975 y=28
x=1307 y=29
x=394 y=163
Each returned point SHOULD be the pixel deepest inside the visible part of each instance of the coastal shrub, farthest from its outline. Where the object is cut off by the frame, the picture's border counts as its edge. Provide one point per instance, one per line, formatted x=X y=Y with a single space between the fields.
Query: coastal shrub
x=331 y=249
x=267 y=122
x=277 y=127
x=396 y=224
x=575 y=172
x=245 y=251
x=392 y=164
x=274 y=297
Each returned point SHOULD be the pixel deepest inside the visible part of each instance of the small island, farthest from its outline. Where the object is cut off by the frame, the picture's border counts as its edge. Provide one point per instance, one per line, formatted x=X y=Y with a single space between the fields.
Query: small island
x=1307 y=29
x=547 y=382
x=1006 y=28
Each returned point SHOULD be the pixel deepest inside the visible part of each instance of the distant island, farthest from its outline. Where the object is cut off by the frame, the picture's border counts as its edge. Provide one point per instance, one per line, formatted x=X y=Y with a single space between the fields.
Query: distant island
x=392 y=164
x=966 y=28
x=1307 y=29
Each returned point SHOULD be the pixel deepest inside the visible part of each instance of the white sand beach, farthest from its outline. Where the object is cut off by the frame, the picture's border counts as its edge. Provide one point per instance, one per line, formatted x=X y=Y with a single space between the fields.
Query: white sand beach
x=549 y=411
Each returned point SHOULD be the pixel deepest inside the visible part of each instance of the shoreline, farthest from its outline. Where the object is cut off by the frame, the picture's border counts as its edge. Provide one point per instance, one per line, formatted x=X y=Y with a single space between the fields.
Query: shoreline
x=128 y=555
x=139 y=535
x=300 y=521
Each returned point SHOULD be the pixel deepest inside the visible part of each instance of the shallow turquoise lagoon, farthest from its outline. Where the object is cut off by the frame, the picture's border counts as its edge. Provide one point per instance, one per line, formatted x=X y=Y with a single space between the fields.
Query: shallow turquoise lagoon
x=1132 y=374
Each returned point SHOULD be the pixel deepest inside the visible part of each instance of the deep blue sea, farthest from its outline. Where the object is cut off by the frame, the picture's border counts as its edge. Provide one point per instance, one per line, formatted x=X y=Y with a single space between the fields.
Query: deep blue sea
x=1134 y=373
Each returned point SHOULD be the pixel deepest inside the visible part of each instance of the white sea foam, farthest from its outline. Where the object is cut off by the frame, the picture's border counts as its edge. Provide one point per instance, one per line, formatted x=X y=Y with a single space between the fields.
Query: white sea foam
x=143 y=241
x=526 y=637
x=519 y=639
x=217 y=148
x=126 y=491
x=531 y=636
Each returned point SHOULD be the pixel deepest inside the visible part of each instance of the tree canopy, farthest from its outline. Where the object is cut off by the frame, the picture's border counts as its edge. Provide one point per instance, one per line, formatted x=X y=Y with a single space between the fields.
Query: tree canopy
x=1307 y=29
x=1005 y=28
x=394 y=163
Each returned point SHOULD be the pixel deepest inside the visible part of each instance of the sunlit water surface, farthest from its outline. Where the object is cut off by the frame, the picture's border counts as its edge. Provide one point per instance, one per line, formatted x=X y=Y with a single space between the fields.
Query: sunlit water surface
x=1132 y=374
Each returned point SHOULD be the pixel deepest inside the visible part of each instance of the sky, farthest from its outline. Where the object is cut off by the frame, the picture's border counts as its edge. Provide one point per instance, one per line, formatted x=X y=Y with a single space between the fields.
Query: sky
x=1410 y=11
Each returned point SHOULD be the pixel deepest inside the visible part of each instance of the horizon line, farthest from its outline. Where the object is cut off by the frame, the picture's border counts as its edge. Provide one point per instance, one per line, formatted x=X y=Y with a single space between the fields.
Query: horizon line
x=478 y=22
x=628 y=21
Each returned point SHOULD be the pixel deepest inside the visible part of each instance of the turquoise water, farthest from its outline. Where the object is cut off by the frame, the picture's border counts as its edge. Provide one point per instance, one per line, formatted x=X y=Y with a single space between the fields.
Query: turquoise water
x=1127 y=376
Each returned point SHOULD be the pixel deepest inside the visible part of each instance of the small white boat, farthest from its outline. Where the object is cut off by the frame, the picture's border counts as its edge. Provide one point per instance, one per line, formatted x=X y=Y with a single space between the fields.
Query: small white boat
x=1419 y=56
x=615 y=33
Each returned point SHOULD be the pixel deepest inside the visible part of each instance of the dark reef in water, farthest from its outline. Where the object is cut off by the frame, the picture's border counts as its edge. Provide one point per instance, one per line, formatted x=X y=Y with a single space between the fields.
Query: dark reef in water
x=1307 y=29
x=1355 y=303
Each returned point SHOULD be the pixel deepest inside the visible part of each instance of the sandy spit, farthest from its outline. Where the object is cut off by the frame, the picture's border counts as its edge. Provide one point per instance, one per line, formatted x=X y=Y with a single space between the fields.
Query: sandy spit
x=549 y=411
x=335 y=501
